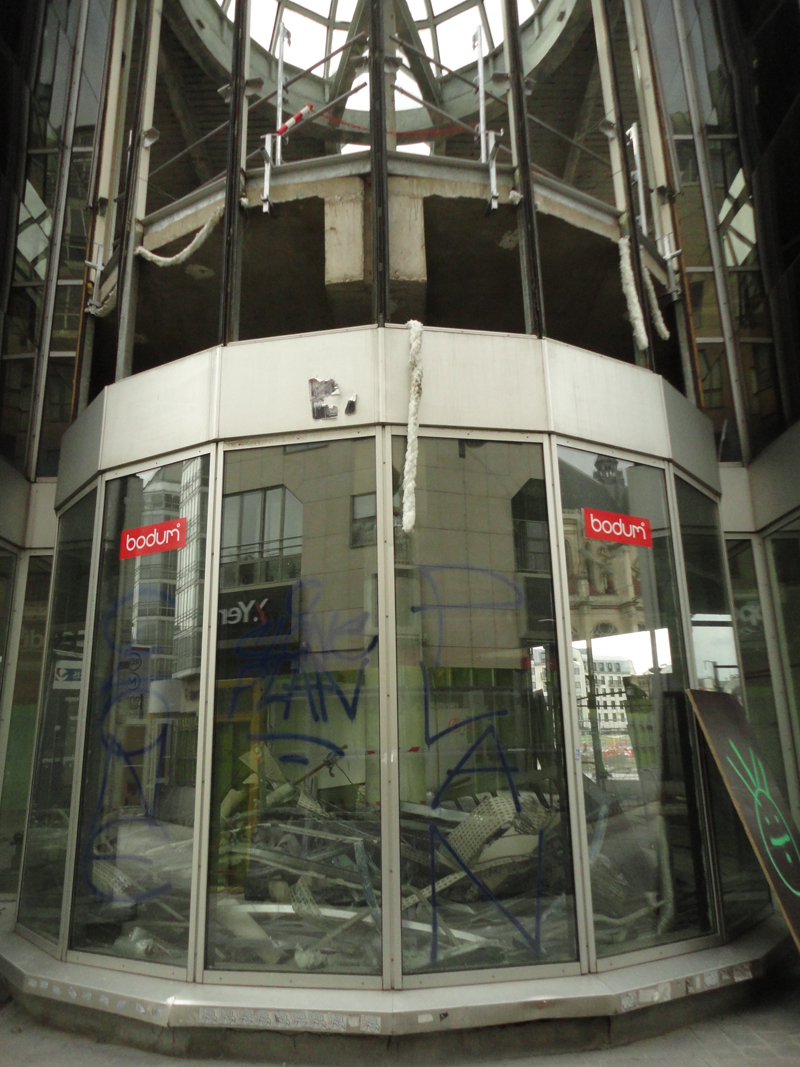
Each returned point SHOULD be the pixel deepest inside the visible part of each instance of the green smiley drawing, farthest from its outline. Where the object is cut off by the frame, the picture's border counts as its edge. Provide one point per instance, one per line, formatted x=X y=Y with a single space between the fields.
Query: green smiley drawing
x=779 y=842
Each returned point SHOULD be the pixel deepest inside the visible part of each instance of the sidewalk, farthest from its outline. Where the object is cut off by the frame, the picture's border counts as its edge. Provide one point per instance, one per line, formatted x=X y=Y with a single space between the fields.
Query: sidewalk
x=766 y=1034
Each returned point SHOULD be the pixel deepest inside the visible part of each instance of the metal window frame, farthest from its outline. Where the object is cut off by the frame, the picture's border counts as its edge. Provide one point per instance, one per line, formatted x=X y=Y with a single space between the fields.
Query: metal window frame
x=715 y=936
x=65 y=952
x=56 y=235
x=579 y=964
x=698 y=136
x=266 y=978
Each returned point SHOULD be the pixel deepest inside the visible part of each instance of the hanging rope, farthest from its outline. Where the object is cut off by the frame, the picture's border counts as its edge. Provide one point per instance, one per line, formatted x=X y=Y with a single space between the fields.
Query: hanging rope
x=101 y=310
x=631 y=297
x=194 y=244
x=412 y=440
x=655 y=311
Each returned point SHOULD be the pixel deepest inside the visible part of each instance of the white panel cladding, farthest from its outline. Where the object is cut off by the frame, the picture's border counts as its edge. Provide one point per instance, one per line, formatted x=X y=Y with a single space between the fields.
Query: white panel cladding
x=775 y=479
x=264 y=384
x=602 y=401
x=691 y=437
x=161 y=410
x=736 y=505
x=481 y=381
x=81 y=448
x=15 y=495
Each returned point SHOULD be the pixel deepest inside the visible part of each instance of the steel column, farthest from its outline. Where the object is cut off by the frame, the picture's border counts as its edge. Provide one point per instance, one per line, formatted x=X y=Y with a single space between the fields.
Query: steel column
x=379 y=164
x=231 y=288
x=526 y=209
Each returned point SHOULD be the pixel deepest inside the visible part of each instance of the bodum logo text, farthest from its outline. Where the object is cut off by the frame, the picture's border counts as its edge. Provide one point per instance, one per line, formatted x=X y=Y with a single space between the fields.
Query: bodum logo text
x=609 y=526
x=147 y=540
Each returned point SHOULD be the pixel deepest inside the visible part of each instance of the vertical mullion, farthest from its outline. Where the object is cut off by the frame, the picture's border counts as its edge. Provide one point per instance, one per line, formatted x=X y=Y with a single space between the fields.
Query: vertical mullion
x=526 y=209
x=577 y=808
x=391 y=897
x=230 y=289
x=379 y=164
x=22 y=561
x=195 y=961
x=135 y=188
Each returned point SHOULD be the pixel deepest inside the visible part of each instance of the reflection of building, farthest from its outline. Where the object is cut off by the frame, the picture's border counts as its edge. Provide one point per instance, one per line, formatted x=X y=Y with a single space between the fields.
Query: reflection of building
x=173 y=284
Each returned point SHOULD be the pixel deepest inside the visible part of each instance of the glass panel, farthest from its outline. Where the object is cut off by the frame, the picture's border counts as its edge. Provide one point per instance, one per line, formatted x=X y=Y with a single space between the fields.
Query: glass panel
x=22 y=724
x=178 y=306
x=705 y=306
x=645 y=843
x=713 y=83
x=694 y=234
x=485 y=848
x=746 y=896
x=566 y=107
x=7 y=567
x=667 y=58
x=77 y=220
x=761 y=711
x=35 y=222
x=51 y=790
x=761 y=396
x=717 y=398
x=784 y=556
x=134 y=863
x=56 y=413
x=16 y=390
x=306 y=262
x=295 y=861
x=716 y=661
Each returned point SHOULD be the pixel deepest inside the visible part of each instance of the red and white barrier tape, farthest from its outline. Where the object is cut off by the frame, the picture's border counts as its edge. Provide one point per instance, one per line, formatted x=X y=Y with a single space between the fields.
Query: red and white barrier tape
x=301 y=114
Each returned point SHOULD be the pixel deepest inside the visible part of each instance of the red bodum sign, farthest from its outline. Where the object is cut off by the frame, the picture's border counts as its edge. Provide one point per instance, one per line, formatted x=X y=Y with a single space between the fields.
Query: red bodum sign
x=609 y=526
x=147 y=540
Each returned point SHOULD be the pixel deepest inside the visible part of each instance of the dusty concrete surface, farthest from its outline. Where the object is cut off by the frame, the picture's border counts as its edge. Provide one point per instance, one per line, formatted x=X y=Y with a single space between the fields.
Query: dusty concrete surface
x=765 y=1031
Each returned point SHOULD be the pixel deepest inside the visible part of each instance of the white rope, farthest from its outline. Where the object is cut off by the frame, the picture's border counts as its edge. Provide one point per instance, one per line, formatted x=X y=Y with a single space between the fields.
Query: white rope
x=194 y=244
x=412 y=440
x=629 y=289
x=655 y=311
x=101 y=310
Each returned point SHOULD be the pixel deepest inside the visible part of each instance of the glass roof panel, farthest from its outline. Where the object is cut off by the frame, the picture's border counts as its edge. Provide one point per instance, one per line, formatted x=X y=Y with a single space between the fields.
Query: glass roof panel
x=309 y=39
x=455 y=38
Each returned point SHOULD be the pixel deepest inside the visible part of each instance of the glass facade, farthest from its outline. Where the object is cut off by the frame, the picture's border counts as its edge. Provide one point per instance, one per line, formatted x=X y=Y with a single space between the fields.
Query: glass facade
x=356 y=754
x=531 y=715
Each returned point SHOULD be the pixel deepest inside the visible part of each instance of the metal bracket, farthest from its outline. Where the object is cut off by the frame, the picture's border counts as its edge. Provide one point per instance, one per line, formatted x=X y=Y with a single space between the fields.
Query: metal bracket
x=266 y=154
x=493 y=149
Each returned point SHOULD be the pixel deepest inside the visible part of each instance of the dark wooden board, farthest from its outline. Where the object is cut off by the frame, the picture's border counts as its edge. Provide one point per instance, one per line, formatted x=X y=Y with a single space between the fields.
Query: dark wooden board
x=755 y=794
